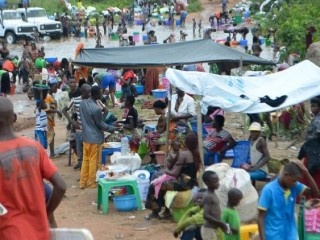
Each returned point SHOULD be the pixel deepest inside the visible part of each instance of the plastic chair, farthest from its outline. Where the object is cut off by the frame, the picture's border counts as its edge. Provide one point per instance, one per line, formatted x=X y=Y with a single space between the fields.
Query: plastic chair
x=104 y=187
x=213 y=155
x=69 y=233
x=241 y=154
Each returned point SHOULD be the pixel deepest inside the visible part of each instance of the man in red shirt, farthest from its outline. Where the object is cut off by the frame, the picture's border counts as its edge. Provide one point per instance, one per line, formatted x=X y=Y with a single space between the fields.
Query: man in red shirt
x=23 y=166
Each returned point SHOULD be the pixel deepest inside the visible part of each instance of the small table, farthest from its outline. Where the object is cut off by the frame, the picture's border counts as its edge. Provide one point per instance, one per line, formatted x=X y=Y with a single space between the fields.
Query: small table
x=104 y=187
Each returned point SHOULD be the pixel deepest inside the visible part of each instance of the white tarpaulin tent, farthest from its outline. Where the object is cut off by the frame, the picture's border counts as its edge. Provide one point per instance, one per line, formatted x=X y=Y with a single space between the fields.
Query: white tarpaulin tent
x=299 y=83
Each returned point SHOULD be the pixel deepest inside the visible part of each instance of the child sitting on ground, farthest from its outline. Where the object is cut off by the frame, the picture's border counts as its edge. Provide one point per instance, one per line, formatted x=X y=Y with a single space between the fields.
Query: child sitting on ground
x=211 y=209
x=192 y=220
x=231 y=216
x=40 y=131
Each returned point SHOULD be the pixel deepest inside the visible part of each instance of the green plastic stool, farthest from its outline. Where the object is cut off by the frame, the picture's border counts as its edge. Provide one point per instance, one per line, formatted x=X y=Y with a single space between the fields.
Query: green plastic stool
x=104 y=187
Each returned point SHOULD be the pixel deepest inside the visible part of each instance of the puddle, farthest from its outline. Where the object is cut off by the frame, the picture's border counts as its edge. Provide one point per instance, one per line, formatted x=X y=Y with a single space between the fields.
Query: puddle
x=66 y=48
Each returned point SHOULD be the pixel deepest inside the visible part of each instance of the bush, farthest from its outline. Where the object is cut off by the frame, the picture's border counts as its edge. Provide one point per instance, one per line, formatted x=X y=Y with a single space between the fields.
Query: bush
x=291 y=22
x=194 y=6
x=53 y=6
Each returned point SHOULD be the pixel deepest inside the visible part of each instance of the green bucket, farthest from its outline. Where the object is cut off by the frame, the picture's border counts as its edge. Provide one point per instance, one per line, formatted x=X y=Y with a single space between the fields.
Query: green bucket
x=238 y=19
x=268 y=42
x=118 y=94
x=114 y=37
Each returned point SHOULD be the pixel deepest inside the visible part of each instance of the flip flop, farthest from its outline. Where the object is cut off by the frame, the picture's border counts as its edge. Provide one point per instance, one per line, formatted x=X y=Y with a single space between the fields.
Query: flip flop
x=151 y=216
x=165 y=217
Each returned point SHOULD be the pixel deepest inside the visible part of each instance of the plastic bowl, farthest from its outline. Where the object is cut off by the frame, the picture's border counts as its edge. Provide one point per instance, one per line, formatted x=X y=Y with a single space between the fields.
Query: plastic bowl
x=159 y=93
x=125 y=203
x=51 y=59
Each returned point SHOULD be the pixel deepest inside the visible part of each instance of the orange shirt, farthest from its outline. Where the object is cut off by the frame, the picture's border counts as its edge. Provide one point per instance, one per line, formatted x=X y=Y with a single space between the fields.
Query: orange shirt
x=23 y=166
x=51 y=105
x=8 y=66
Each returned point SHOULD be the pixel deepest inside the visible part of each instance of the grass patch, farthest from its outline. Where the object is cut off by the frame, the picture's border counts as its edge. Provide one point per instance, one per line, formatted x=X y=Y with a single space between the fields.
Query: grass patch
x=194 y=6
x=51 y=6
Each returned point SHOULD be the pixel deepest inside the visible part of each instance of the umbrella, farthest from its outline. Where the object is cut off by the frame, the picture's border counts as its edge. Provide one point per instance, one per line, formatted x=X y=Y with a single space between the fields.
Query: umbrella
x=164 y=10
x=94 y=14
x=105 y=13
x=137 y=9
x=114 y=9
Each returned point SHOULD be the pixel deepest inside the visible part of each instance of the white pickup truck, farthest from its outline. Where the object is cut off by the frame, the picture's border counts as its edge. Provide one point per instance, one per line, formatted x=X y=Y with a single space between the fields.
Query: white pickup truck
x=39 y=18
x=12 y=27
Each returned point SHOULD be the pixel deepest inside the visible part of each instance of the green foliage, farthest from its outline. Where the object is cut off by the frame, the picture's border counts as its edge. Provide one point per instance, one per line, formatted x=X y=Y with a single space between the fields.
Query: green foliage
x=103 y=4
x=194 y=6
x=291 y=22
x=53 y=6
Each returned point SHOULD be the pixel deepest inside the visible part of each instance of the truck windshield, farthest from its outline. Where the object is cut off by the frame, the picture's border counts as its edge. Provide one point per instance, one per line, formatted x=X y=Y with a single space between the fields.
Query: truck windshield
x=36 y=13
x=11 y=15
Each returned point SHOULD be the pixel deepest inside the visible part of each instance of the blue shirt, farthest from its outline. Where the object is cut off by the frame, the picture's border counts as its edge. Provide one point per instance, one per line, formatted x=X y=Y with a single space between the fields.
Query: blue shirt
x=280 y=207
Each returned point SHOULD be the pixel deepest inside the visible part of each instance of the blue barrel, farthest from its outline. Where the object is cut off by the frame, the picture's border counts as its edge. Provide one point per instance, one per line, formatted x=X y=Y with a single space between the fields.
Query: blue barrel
x=178 y=22
x=261 y=40
x=145 y=38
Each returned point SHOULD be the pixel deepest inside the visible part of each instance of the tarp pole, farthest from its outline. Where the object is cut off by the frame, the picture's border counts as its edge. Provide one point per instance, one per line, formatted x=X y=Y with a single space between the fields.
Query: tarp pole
x=168 y=118
x=243 y=115
x=277 y=117
x=200 y=141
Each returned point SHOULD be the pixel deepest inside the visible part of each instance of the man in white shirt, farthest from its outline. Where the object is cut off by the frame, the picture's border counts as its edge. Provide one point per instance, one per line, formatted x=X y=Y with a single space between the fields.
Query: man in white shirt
x=182 y=106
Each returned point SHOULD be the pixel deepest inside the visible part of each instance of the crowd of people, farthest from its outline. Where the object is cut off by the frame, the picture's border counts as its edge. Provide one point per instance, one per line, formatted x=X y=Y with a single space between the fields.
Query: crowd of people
x=87 y=103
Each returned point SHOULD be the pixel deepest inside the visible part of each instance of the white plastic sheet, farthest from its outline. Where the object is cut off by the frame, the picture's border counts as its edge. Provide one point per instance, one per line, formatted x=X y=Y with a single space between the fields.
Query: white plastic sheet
x=300 y=83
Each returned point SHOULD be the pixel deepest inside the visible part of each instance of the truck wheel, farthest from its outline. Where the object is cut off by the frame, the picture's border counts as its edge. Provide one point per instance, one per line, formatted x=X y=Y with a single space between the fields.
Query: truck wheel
x=10 y=37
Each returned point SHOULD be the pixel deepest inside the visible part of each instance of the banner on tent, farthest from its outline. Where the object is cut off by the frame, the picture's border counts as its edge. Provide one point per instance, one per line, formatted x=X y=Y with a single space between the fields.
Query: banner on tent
x=251 y=94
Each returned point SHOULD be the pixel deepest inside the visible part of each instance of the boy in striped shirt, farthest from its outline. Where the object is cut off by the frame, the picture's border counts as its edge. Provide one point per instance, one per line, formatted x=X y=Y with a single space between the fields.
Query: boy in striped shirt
x=40 y=131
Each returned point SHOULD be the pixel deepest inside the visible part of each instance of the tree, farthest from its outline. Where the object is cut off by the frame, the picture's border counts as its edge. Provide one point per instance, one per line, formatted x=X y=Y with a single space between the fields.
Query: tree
x=291 y=21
